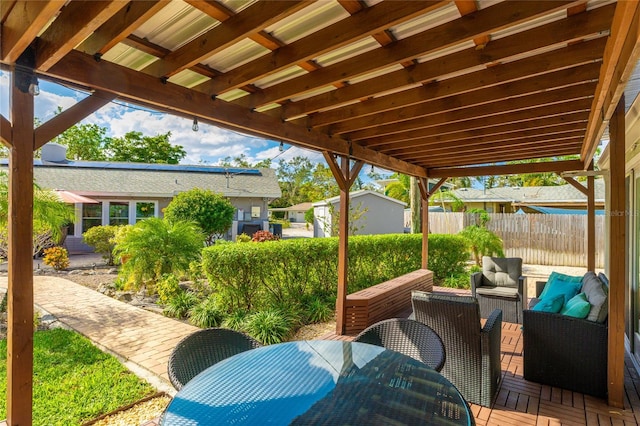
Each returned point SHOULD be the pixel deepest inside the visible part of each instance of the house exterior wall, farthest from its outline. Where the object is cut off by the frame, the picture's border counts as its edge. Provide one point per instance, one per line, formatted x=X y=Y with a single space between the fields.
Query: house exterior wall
x=381 y=216
x=248 y=210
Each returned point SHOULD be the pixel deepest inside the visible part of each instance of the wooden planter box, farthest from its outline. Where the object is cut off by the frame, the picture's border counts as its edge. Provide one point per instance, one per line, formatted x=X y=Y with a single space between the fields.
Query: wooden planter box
x=385 y=300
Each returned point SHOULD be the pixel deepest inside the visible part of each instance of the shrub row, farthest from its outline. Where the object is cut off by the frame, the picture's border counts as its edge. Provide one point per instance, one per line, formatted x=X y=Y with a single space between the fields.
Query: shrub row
x=285 y=273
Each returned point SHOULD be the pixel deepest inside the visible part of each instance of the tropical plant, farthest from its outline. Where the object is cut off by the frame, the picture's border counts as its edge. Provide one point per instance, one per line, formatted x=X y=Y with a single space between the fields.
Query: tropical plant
x=50 y=217
x=309 y=216
x=102 y=239
x=482 y=242
x=236 y=320
x=318 y=311
x=154 y=247
x=269 y=327
x=262 y=236
x=57 y=258
x=207 y=313
x=168 y=288
x=243 y=238
x=180 y=305
x=212 y=212
x=399 y=188
x=330 y=224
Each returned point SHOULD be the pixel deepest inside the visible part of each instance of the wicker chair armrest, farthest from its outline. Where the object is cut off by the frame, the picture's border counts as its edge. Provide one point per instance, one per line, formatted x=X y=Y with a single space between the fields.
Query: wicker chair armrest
x=522 y=289
x=476 y=281
x=494 y=322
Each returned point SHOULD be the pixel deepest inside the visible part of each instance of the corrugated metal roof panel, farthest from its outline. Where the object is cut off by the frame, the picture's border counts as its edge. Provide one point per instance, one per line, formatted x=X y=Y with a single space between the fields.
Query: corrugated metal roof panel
x=308 y=20
x=430 y=20
x=279 y=77
x=188 y=78
x=349 y=51
x=129 y=57
x=236 y=55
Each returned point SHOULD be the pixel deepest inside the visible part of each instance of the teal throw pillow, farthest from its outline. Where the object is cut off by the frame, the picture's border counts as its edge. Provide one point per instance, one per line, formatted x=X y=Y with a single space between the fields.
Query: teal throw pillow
x=550 y=304
x=558 y=286
x=563 y=277
x=577 y=307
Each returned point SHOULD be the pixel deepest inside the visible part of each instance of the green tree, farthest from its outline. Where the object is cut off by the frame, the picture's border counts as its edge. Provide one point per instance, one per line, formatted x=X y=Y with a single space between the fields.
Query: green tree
x=293 y=175
x=84 y=142
x=136 y=148
x=321 y=186
x=212 y=212
x=481 y=241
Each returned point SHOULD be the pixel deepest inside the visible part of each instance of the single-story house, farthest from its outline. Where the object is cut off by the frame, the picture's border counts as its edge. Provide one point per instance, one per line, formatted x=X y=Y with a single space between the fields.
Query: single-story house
x=124 y=193
x=372 y=213
x=530 y=199
x=293 y=213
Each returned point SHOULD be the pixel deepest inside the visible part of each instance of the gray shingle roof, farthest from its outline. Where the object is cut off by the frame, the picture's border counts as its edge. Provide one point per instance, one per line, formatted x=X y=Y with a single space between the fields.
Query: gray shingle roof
x=530 y=194
x=94 y=180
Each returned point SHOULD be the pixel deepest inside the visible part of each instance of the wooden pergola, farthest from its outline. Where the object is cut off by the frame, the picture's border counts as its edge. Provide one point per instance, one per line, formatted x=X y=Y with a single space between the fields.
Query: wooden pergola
x=433 y=89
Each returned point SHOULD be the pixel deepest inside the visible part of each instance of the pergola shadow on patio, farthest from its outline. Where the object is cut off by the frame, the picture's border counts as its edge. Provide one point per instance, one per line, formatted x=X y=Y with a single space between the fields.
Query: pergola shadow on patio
x=432 y=89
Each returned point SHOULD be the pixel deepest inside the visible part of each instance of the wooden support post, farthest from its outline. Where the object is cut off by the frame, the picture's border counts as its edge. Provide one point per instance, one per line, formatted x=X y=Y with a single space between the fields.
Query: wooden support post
x=617 y=257
x=591 y=221
x=345 y=177
x=423 y=185
x=20 y=256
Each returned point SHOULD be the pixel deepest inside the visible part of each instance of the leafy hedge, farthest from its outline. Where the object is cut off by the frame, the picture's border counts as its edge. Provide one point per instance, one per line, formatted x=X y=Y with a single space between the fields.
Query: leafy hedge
x=283 y=273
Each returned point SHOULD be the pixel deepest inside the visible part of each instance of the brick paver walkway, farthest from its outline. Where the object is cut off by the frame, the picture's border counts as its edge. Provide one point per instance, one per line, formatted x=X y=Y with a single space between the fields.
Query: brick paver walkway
x=142 y=339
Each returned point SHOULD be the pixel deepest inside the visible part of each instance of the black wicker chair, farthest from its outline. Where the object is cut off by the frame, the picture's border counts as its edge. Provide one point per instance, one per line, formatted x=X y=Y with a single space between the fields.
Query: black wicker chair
x=202 y=349
x=500 y=285
x=408 y=337
x=473 y=352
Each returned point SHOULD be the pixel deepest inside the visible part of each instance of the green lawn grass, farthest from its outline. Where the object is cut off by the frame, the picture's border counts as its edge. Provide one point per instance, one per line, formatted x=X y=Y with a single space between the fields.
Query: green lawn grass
x=73 y=380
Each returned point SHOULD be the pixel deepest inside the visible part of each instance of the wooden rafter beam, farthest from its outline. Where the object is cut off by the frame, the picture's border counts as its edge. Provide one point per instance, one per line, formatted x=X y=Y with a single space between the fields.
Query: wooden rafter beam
x=507 y=169
x=425 y=146
x=540 y=141
x=550 y=70
x=568 y=30
x=140 y=88
x=67 y=118
x=568 y=80
x=5 y=131
x=22 y=25
x=529 y=106
x=621 y=55
x=367 y=22
x=570 y=109
x=77 y=20
x=486 y=20
x=236 y=28
x=564 y=149
x=120 y=26
x=5 y=8
x=435 y=187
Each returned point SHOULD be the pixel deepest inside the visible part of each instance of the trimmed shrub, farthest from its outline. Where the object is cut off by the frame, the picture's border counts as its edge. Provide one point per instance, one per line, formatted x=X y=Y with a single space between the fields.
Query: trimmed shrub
x=102 y=239
x=168 y=288
x=254 y=277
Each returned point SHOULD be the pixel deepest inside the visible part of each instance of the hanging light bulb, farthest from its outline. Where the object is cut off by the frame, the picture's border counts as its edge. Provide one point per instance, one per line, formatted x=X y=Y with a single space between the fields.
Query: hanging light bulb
x=281 y=148
x=372 y=168
x=34 y=87
x=195 y=127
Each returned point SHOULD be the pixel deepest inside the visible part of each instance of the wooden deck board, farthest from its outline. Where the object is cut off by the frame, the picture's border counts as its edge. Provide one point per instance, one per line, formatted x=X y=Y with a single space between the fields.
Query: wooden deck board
x=520 y=402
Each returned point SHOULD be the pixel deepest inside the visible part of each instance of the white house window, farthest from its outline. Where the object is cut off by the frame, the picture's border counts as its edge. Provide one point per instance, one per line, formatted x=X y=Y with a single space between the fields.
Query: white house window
x=118 y=213
x=91 y=216
x=145 y=210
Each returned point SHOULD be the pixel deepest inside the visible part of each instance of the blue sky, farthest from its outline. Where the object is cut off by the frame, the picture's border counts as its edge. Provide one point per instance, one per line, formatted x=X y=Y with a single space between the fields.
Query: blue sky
x=209 y=145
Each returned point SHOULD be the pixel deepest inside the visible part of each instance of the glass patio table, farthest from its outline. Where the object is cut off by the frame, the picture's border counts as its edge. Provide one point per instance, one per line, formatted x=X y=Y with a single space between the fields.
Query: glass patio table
x=318 y=382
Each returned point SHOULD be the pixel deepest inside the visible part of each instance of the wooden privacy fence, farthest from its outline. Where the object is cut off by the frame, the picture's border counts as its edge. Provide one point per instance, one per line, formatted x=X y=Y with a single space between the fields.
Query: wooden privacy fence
x=539 y=239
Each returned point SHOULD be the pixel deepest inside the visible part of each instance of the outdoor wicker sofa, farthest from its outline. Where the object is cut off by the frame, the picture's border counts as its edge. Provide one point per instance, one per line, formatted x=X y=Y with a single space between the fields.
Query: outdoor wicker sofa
x=473 y=351
x=566 y=352
x=500 y=285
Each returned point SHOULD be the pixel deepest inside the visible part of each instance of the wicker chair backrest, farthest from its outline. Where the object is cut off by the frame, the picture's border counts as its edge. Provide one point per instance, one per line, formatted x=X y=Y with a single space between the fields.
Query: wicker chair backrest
x=409 y=337
x=501 y=271
x=200 y=350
